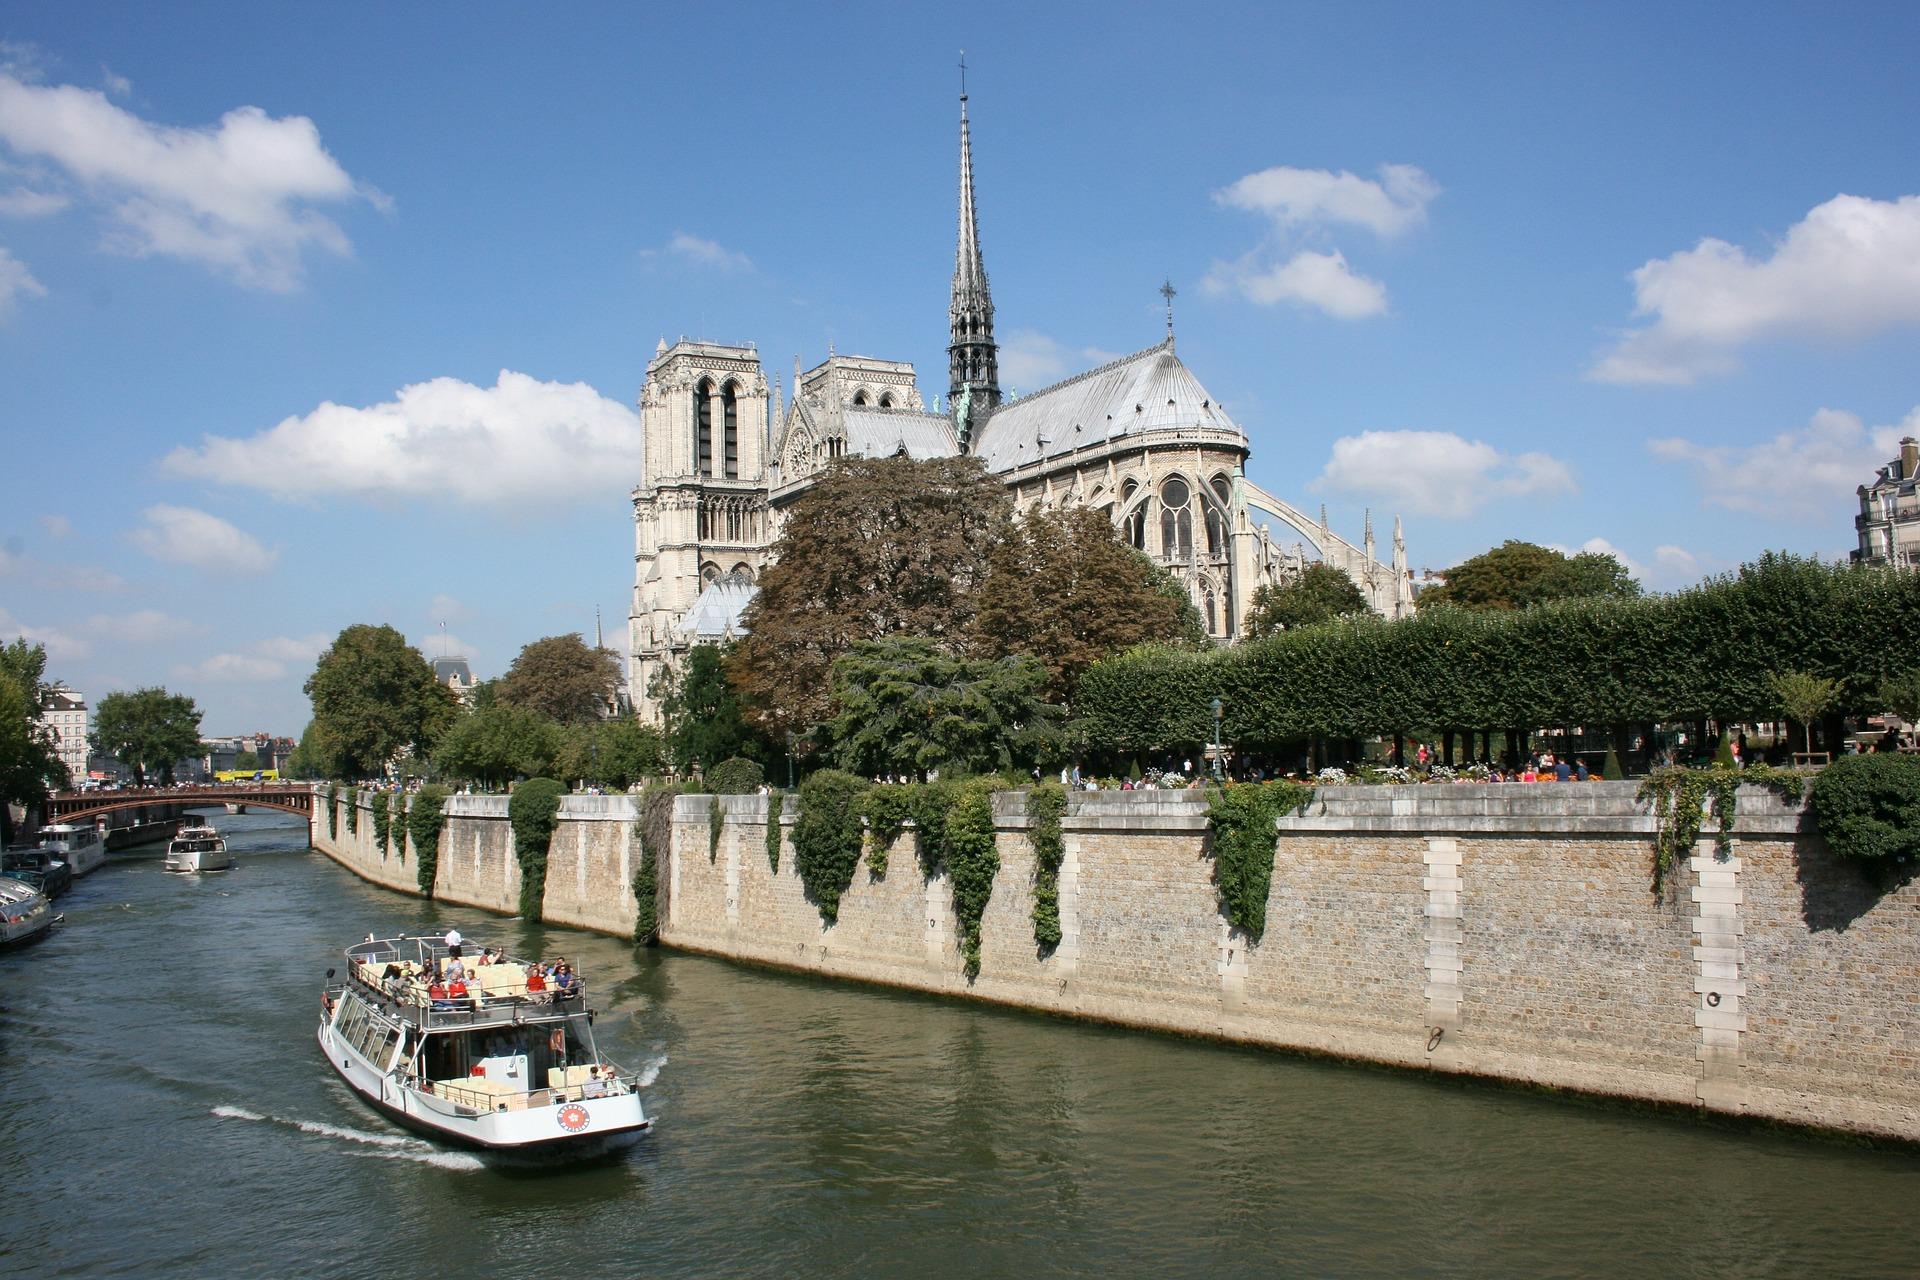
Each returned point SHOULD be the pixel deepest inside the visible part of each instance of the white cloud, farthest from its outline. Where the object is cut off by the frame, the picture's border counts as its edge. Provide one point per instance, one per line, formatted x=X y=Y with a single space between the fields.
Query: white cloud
x=57 y=525
x=61 y=646
x=519 y=441
x=445 y=608
x=1849 y=269
x=1807 y=474
x=271 y=659
x=16 y=282
x=1319 y=197
x=1302 y=204
x=1322 y=280
x=238 y=196
x=1602 y=547
x=1677 y=564
x=117 y=85
x=1437 y=473
x=182 y=535
x=1030 y=360
x=23 y=202
x=80 y=577
x=143 y=626
x=701 y=252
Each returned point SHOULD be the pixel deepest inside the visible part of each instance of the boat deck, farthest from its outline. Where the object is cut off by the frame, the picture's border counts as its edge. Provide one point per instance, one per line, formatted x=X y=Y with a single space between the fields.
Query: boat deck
x=401 y=973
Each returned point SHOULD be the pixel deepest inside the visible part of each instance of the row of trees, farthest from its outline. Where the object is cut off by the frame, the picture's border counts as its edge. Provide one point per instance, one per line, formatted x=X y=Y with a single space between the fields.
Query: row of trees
x=1715 y=651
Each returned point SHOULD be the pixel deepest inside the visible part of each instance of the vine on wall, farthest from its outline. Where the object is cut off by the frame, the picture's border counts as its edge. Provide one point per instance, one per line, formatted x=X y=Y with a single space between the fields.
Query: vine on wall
x=1680 y=797
x=333 y=810
x=888 y=807
x=776 y=804
x=353 y=811
x=827 y=837
x=426 y=817
x=646 y=889
x=1240 y=820
x=382 y=819
x=972 y=858
x=716 y=823
x=1045 y=806
x=533 y=809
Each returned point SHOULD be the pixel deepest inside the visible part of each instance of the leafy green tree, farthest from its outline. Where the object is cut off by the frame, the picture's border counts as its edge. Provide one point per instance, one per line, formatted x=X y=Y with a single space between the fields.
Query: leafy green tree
x=1517 y=575
x=147 y=730
x=26 y=665
x=563 y=679
x=245 y=761
x=609 y=753
x=1900 y=694
x=30 y=765
x=1062 y=587
x=1803 y=696
x=1320 y=594
x=903 y=704
x=374 y=697
x=704 y=718
x=494 y=746
x=303 y=763
x=876 y=547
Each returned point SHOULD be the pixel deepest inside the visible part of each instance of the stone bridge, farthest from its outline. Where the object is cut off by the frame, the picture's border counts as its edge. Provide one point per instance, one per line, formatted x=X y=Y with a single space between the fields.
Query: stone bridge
x=84 y=806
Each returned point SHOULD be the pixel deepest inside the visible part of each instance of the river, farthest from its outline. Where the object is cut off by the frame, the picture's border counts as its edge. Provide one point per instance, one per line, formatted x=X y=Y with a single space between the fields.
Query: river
x=168 y=1114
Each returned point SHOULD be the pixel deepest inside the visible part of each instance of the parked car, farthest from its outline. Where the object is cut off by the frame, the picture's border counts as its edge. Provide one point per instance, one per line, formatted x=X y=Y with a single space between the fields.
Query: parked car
x=56 y=876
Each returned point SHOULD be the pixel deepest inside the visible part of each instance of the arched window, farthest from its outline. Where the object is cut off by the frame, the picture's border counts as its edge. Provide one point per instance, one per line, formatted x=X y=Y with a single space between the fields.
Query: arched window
x=859 y=398
x=730 y=413
x=1176 y=519
x=703 y=428
x=709 y=574
x=886 y=400
x=1213 y=628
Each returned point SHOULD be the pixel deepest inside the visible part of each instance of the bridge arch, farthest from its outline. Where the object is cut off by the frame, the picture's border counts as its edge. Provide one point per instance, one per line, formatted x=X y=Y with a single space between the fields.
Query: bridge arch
x=84 y=806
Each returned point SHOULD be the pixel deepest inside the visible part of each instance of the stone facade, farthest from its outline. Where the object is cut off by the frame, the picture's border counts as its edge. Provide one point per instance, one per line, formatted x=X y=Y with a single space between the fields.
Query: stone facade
x=1505 y=931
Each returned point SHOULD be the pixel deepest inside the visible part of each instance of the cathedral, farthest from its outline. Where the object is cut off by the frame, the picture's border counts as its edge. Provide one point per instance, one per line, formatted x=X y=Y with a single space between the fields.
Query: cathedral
x=1139 y=439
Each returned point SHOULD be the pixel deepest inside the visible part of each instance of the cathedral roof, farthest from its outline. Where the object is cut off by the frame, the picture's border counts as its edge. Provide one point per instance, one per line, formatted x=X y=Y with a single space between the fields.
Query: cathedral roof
x=1149 y=390
x=716 y=614
x=881 y=433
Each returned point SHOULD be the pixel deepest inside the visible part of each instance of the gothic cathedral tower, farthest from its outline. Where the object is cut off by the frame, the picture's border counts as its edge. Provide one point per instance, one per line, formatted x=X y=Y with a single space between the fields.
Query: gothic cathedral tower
x=973 y=359
x=700 y=511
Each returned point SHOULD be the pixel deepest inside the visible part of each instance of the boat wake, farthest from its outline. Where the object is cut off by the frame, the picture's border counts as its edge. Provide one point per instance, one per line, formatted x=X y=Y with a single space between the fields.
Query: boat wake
x=385 y=1146
x=650 y=1070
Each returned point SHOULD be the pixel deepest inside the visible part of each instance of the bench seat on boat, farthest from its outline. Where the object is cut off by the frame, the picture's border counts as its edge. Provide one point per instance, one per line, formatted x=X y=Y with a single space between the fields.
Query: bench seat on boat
x=499 y=979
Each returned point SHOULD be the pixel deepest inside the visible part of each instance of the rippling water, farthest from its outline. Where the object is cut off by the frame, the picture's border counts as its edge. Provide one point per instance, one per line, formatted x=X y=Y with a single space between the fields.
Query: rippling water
x=167 y=1114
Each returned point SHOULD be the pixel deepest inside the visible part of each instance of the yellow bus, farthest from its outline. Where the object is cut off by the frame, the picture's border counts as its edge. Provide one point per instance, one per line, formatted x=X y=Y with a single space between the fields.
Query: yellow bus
x=247 y=775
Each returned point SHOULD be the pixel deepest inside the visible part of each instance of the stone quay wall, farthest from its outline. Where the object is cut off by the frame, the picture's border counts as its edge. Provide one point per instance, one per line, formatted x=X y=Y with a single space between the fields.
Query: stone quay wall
x=1504 y=931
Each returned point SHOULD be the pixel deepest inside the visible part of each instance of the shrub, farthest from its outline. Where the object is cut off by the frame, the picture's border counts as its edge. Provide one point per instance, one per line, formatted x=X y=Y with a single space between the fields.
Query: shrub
x=826 y=839
x=735 y=777
x=972 y=859
x=887 y=809
x=1868 y=807
x=1241 y=822
x=425 y=818
x=533 y=809
x=1045 y=806
x=776 y=805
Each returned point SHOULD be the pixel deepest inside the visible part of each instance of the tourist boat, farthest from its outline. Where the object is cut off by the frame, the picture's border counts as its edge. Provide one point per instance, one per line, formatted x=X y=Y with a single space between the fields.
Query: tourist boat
x=24 y=912
x=82 y=848
x=52 y=876
x=197 y=848
x=503 y=1068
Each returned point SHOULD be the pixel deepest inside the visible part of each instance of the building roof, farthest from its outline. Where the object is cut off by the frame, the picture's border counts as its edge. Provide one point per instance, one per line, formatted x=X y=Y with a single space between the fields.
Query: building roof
x=1149 y=390
x=445 y=669
x=881 y=433
x=715 y=616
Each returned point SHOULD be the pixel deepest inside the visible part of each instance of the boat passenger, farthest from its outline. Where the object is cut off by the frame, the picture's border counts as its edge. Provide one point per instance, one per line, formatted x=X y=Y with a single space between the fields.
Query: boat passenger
x=437 y=993
x=536 y=981
x=456 y=969
x=563 y=978
x=453 y=943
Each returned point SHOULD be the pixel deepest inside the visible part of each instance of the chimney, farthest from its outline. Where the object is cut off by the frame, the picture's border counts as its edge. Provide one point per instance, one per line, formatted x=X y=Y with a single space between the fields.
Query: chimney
x=1909 y=458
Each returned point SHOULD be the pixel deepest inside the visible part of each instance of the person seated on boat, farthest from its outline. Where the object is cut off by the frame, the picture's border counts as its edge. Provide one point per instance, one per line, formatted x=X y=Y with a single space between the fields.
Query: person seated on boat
x=563 y=978
x=456 y=969
x=438 y=994
x=486 y=957
x=536 y=981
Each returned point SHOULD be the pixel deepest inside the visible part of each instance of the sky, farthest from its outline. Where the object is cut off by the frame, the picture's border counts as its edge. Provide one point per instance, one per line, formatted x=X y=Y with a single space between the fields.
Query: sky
x=315 y=315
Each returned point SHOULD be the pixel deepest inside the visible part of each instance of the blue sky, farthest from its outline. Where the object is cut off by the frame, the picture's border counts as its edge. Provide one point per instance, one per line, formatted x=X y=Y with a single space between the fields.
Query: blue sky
x=313 y=315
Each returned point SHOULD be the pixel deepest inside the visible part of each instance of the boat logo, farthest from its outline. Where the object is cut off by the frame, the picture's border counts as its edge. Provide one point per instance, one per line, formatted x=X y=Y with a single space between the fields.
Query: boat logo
x=574 y=1117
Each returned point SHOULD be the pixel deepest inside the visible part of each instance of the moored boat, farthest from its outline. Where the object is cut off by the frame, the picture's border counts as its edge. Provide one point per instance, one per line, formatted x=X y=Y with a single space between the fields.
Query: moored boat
x=197 y=848
x=504 y=1060
x=82 y=848
x=25 y=913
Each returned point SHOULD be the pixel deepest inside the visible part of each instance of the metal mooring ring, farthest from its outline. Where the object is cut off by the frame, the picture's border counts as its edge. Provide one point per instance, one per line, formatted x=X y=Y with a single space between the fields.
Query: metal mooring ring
x=1434 y=1039
x=1713 y=999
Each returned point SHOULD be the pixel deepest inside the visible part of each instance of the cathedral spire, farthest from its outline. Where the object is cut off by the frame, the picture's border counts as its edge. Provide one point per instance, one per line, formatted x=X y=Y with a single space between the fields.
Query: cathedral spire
x=973 y=358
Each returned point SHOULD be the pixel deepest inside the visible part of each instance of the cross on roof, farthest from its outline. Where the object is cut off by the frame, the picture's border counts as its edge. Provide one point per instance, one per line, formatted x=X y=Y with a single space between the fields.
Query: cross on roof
x=1168 y=292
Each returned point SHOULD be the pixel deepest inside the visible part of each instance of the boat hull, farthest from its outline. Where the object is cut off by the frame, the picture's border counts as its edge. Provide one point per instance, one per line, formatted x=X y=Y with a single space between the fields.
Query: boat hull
x=195 y=862
x=539 y=1129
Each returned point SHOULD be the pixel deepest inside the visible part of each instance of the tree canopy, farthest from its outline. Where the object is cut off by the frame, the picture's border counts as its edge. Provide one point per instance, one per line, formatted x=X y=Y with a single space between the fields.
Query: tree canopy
x=29 y=764
x=497 y=745
x=373 y=697
x=148 y=730
x=903 y=704
x=609 y=753
x=562 y=678
x=703 y=716
x=26 y=665
x=1062 y=587
x=877 y=547
x=1517 y=575
x=1320 y=594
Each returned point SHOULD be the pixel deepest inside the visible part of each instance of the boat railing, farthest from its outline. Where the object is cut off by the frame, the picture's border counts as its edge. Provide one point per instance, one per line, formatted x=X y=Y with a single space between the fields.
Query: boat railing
x=565 y=1084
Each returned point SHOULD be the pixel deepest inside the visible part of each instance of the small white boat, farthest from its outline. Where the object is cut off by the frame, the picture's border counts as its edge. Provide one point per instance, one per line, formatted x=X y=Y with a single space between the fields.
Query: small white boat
x=24 y=912
x=82 y=848
x=509 y=1065
x=197 y=848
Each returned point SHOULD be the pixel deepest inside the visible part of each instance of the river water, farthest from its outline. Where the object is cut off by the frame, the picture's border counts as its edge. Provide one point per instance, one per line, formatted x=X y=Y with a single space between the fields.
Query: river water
x=167 y=1113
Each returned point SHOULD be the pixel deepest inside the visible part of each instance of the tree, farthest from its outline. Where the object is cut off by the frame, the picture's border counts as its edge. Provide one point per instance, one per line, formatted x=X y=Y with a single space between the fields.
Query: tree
x=1063 y=587
x=702 y=713
x=877 y=547
x=30 y=765
x=1803 y=696
x=1900 y=694
x=245 y=762
x=26 y=665
x=1320 y=594
x=147 y=730
x=563 y=679
x=374 y=696
x=609 y=753
x=494 y=746
x=303 y=763
x=1515 y=575
x=903 y=704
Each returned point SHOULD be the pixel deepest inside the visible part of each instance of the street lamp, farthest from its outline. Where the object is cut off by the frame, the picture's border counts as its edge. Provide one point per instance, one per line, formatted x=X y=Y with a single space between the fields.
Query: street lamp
x=789 y=759
x=1217 y=704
